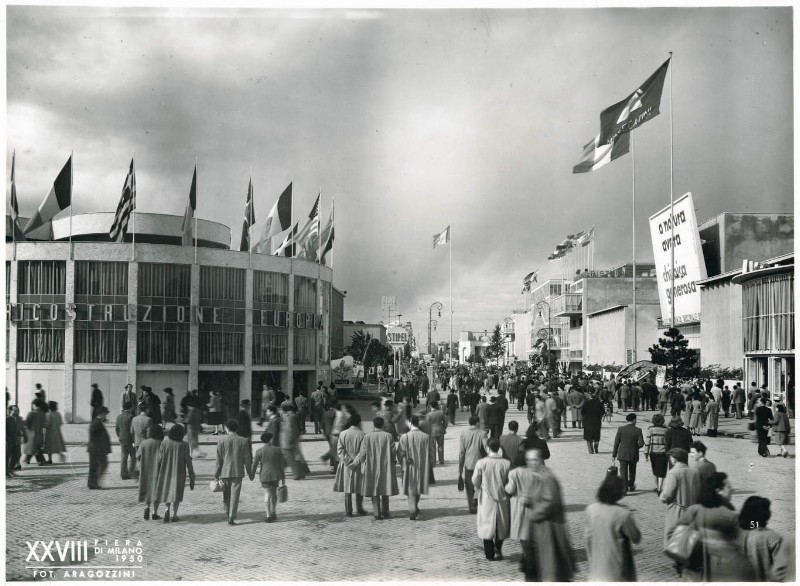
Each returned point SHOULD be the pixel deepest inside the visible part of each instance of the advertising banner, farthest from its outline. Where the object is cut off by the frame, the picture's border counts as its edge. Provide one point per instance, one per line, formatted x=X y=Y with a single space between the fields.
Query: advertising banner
x=690 y=265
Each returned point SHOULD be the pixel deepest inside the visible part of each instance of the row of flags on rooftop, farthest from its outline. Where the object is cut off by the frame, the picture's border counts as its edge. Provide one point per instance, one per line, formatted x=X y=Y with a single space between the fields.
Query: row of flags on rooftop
x=307 y=239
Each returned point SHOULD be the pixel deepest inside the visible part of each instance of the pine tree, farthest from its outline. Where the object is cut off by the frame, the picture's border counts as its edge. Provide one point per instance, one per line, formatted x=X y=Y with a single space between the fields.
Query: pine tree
x=497 y=345
x=673 y=352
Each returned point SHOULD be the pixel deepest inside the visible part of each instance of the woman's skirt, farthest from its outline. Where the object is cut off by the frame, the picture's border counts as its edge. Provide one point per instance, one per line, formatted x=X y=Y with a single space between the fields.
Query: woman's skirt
x=659 y=464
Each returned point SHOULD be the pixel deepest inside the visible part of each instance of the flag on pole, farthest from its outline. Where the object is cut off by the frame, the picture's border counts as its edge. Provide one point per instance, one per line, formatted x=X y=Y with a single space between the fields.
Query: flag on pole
x=287 y=246
x=188 y=215
x=57 y=199
x=638 y=108
x=587 y=238
x=280 y=216
x=17 y=232
x=327 y=238
x=596 y=155
x=441 y=238
x=249 y=218
x=307 y=238
x=127 y=202
x=528 y=280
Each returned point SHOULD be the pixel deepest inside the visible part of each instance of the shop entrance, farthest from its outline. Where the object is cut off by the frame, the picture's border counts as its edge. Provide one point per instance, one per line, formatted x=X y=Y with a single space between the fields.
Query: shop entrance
x=301 y=378
x=227 y=383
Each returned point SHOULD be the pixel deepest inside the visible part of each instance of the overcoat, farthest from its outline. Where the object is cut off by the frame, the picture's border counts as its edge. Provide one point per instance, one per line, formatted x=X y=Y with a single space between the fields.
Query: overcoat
x=35 y=422
x=174 y=461
x=413 y=450
x=348 y=479
x=521 y=485
x=53 y=439
x=147 y=454
x=494 y=511
x=695 y=412
x=592 y=413
x=376 y=460
x=610 y=532
x=680 y=490
x=575 y=400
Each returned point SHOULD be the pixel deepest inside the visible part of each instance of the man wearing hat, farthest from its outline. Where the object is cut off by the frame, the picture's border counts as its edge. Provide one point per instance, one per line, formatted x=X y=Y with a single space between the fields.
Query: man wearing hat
x=97 y=399
x=128 y=398
x=677 y=436
x=681 y=489
x=245 y=423
x=99 y=446
x=627 y=443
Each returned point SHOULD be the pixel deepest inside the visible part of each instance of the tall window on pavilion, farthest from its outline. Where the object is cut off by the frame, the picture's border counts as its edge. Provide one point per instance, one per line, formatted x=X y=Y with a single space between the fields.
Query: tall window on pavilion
x=166 y=290
x=222 y=304
x=41 y=291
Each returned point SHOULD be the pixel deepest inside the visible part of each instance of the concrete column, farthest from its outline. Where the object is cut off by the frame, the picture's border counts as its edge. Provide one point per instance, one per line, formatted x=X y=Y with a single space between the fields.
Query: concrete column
x=194 y=328
x=246 y=380
x=11 y=365
x=69 y=346
x=133 y=321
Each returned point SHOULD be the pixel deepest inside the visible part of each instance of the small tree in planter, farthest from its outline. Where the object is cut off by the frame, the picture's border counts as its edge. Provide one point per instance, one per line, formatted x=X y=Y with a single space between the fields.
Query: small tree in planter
x=673 y=352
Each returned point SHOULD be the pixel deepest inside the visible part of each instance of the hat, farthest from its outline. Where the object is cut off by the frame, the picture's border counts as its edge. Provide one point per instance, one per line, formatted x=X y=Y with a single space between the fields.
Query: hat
x=631 y=417
x=245 y=401
x=101 y=410
x=679 y=454
x=94 y=385
x=676 y=422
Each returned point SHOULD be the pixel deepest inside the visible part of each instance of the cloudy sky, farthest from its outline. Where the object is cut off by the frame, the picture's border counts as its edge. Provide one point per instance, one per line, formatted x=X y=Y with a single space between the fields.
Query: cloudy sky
x=411 y=120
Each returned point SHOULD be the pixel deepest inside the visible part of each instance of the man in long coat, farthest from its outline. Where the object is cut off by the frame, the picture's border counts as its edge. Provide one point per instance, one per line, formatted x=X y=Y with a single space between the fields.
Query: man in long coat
x=99 y=447
x=376 y=461
x=592 y=415
x=128 y=458
x=349 y=478
x=413 y=451
x=681 y=489
x=575 y=400
x=482 y=411
x=290 y=441
x=35 y=423
x=437 y=424
x=494 y=512
x=547 y=553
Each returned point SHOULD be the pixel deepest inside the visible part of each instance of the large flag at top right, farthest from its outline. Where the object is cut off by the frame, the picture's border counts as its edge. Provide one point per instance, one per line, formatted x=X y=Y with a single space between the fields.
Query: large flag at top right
x=639 y=107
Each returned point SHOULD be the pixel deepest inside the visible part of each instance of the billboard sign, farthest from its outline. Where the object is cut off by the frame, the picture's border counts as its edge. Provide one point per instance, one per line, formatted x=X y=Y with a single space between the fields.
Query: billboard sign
x=690 y=265
x=397 y=336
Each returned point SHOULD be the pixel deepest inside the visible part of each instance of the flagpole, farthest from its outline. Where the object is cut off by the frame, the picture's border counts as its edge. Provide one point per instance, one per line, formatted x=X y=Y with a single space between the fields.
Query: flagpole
x=133 y=235
x=196 y=235
x=250 y=226
x=71 y=197
x=671 y=206
x=450 y=349
x=15 y=213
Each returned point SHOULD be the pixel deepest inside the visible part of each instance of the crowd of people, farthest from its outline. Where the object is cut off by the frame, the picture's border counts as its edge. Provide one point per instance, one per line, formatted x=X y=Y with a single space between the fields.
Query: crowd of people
x=505 y=477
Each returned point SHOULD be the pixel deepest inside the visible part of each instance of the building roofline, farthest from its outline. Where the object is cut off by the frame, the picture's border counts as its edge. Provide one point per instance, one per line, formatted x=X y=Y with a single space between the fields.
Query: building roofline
x=612 y=308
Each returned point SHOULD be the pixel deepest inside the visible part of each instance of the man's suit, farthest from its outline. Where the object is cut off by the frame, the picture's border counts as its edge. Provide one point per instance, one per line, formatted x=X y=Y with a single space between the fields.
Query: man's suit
x=510 y=443
x=494 y=419
x=437 y=423
x=627 y=443
x=469 y=452
x=234 y=459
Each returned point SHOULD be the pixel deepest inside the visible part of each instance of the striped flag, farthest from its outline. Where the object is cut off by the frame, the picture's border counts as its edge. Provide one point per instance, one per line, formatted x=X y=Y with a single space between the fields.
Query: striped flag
x=57 y=199
x=188 y=215
x=327 y=238
x=442 y=238
x=278 y=220
x=127 y=203
x=307 y=238
x=249 y=218
x=287 y=247
x=586 y=239
x=596 y=155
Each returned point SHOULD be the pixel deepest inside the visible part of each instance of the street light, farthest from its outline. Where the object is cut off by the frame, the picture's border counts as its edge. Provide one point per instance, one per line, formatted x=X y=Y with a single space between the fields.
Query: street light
x=506 y=322
x=546 y=334
x=438 y=306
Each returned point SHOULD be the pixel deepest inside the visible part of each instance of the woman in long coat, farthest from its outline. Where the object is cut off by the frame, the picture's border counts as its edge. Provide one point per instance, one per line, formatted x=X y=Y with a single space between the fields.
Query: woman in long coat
x=53 y=439
x=695 y=411
x=521 y=485
x=35 y=422
x=147 y=454
x=494 y=513
x=174 y=462
x=610 y=533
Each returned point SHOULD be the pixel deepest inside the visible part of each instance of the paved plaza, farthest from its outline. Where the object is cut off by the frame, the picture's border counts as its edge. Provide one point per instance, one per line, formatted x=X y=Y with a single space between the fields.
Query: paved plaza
x=313 y=541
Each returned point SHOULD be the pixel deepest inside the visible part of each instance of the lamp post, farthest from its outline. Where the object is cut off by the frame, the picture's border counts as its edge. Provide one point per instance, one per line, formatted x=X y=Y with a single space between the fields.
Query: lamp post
x=438 y=307
x=506 y=322
x=546 y=334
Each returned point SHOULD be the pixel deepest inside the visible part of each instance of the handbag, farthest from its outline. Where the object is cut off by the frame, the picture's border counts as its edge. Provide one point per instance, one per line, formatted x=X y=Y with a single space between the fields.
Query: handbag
x=215 y=486
x=751 y=426
x=283 y=493
x=685 y=547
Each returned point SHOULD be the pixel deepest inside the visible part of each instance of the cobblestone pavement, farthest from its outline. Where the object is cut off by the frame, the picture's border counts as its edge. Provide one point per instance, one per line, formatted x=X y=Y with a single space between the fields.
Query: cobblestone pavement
x=312 y=541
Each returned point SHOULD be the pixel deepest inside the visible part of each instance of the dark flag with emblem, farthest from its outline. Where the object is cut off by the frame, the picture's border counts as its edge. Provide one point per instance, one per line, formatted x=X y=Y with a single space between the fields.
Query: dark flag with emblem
x=127 y=203
x=188 y=214
x=249 y=218
x=327 y=238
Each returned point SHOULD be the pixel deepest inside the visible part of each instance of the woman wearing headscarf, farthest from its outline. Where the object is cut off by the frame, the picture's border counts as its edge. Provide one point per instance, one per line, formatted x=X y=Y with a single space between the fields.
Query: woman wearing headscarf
x=610 y=533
